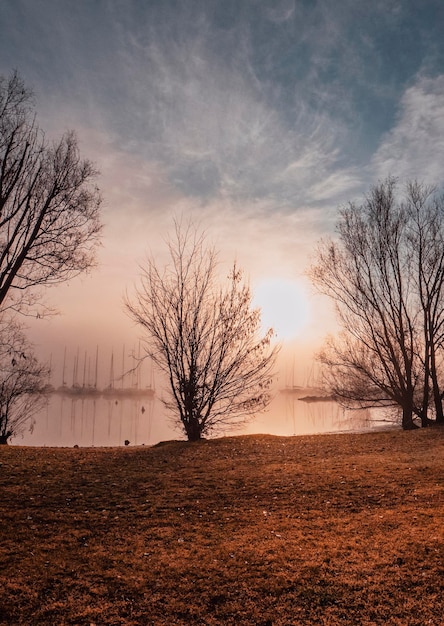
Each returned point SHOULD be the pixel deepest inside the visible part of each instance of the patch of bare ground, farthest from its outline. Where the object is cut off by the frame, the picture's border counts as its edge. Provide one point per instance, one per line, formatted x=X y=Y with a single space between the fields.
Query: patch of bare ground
x=333 y=529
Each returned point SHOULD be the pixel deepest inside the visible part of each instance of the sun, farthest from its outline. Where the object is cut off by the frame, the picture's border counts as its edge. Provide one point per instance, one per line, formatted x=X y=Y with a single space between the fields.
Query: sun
x=284 y=305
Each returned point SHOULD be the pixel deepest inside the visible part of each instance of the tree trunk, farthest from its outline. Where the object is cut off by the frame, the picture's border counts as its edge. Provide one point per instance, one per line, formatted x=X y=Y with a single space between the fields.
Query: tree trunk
x=193 y=429
x=438 y=407
x=436 y=391
x=426 y=421
x=4 y=439
x=439 y=412
x=407 y=418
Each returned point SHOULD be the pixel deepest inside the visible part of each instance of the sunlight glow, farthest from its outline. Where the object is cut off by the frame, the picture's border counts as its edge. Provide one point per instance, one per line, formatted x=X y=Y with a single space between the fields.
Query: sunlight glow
x=284 y=306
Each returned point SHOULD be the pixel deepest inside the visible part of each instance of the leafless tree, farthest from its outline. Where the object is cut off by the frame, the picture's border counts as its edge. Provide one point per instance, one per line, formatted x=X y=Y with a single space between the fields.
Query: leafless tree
x=425 y=212
x=23 y=382
x=385 y=273
x=204 y=337
x=49 y=205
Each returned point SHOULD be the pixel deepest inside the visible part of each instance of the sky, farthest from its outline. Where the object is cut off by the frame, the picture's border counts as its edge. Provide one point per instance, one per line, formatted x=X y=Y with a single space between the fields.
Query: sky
x=256 y=118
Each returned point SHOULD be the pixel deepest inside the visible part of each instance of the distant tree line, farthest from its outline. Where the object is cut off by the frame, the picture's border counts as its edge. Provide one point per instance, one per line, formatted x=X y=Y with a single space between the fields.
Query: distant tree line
x=385 y=273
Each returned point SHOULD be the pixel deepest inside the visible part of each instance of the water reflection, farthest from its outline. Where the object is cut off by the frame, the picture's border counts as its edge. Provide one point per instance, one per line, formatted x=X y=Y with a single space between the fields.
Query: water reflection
x=290 y=415
x=92 y=421
x=110 y=419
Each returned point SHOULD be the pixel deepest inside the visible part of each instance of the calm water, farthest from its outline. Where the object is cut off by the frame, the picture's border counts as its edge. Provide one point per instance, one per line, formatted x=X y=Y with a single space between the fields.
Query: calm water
x=106 y=420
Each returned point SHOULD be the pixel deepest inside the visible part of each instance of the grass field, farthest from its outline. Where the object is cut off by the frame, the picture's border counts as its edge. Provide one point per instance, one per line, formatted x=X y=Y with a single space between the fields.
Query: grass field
x=328 y=529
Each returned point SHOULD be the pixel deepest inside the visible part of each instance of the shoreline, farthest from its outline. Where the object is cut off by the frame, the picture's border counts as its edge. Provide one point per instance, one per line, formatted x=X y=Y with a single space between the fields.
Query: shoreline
x=359 y=431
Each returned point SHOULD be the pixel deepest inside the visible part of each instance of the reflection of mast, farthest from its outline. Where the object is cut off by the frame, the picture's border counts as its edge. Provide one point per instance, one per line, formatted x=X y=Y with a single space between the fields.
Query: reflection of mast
x=150 y=412
x=152 y=378
x=109 y=417
x=73 y=413
x=93 y=422
x=120 y=422
x=123 y=365
x=64 y=369
x=136 y=421
x=75 y=370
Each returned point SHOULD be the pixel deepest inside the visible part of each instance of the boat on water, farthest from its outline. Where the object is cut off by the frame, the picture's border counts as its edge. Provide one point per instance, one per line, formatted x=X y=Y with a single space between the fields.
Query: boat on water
x=126 y=385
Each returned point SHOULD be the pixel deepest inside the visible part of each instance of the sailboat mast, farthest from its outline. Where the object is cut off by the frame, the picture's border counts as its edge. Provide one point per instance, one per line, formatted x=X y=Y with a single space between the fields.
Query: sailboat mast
x=64 y=369
x=84 y=371
x=75 y=369
x=96 y=374
x=111 y=371
x=123 y=365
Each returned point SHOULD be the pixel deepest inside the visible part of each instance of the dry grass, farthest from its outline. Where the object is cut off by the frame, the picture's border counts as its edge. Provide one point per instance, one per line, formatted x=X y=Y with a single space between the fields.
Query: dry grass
x=336 y=529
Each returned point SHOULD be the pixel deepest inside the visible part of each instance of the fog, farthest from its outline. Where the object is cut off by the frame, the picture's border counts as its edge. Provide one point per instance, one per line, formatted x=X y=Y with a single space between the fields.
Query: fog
x=104 y=397
x=110 y=420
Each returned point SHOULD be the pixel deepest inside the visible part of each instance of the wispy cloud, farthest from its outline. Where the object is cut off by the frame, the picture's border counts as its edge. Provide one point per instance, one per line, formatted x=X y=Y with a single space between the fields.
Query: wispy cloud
x=214 y=123
x=414 y=148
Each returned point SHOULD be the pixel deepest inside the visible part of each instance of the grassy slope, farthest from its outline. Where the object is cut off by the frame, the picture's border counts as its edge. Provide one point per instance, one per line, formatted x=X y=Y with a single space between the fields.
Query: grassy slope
x=334 y=529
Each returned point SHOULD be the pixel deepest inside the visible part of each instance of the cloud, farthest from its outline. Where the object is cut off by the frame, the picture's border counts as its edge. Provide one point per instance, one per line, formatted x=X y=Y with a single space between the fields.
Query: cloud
x=280 y=11
x=217 y=126
x=414 y=148
x=229 y=103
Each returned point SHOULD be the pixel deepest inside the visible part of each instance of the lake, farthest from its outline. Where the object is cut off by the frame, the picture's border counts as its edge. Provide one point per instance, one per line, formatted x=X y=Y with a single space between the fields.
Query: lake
x=108 y=419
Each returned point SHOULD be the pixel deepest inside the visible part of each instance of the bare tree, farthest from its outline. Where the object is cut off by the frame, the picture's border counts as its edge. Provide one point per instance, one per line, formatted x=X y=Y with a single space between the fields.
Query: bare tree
x=204 y=336
x=385 y=273
x=49 y=206
x=23 y=382
x=425 y=212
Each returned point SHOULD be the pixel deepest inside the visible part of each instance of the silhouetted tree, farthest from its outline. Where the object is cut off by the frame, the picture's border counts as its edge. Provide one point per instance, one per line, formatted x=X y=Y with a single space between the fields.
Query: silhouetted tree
x=204 y=336
x=49 y=207
x=23 y=382
x=385 y=273
x=425 y=214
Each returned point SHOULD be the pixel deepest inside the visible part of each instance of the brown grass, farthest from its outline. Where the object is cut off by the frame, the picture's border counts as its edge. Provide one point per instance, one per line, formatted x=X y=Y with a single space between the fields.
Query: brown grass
x=334 y=529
